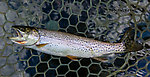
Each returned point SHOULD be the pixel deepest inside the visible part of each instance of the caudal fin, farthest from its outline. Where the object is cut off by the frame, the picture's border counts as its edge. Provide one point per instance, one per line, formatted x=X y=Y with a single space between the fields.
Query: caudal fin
x=130 y=43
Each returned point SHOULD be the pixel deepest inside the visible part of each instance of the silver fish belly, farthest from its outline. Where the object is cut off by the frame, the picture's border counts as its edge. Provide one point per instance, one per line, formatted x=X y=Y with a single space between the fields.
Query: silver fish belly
x=64 y=44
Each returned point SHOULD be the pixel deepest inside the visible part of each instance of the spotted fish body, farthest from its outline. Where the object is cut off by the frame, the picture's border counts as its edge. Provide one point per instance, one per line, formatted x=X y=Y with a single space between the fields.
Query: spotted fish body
x=64 y=44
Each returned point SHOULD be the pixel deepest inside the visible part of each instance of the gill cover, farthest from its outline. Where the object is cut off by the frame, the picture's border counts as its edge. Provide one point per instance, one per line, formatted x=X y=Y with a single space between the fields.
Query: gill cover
x=25 y=35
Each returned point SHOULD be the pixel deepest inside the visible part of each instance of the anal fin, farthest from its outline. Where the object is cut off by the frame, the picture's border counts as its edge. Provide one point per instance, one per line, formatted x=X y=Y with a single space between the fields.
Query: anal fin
x=41 y=45
x=72 y=57
x=101 y=59
x=105 y=57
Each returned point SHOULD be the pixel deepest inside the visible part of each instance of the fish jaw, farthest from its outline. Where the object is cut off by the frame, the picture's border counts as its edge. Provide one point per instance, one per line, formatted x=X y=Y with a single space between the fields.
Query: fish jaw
x=17 y=40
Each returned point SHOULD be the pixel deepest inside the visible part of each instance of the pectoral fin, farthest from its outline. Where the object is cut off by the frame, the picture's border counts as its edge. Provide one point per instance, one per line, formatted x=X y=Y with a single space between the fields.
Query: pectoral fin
x=41 y=45
x=72 y=57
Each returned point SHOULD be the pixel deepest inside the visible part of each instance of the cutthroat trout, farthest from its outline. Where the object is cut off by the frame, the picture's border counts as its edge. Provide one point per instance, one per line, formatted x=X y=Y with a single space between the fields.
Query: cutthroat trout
x=63 y=44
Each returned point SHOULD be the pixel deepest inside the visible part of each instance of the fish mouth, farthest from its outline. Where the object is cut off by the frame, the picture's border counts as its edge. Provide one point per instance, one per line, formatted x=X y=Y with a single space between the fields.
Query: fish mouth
x=17 y=36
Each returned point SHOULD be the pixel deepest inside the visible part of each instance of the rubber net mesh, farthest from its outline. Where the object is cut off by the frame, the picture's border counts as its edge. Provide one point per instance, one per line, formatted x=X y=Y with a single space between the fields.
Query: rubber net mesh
x=103 y=20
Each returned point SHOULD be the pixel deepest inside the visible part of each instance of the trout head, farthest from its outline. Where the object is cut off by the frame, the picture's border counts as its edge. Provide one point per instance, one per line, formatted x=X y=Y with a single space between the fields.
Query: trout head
x=24 y=35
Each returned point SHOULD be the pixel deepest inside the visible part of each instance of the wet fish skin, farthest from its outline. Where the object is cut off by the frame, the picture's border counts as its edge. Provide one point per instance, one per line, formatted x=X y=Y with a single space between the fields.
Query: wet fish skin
x=64 y=44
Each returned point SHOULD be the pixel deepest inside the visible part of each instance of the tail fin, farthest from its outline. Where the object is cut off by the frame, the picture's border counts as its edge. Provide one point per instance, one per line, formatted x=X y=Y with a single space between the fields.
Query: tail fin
x=130 y=43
